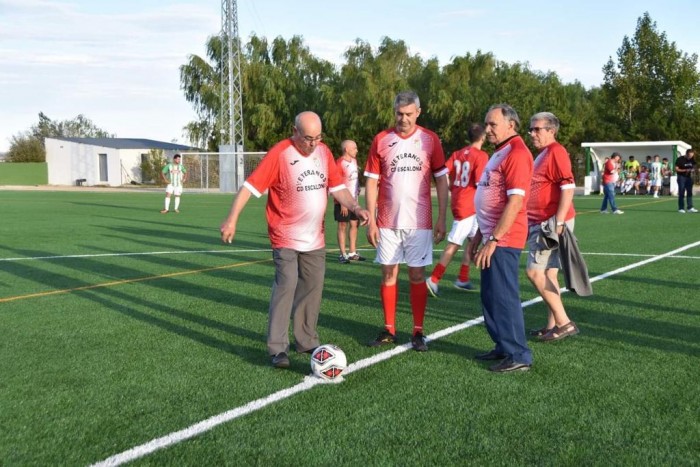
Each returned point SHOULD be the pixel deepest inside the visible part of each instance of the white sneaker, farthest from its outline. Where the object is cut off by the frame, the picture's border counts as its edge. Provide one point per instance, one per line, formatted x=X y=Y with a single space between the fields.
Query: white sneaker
x=656 y=196
x=617 y=211
x=682 y=211
x=603 y=212
x=432 y=287
x=692 y=210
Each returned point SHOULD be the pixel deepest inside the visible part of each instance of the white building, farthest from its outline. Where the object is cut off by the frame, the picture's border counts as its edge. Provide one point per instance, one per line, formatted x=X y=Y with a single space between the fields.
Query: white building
x=101 y=161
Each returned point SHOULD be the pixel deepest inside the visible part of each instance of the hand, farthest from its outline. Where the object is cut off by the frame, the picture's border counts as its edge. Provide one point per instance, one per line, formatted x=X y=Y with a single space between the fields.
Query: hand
x=343 y=211
x=228 y=231
x=373 y=234
x=362 y=216
x=483 y=257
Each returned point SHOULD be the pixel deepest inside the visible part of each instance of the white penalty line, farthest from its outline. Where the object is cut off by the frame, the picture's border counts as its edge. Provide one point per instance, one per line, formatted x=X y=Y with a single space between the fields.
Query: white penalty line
x=309 y=382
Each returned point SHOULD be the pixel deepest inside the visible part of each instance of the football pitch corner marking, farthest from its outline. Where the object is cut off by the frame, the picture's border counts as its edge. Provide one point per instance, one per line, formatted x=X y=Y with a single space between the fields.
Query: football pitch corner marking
x=308 y=383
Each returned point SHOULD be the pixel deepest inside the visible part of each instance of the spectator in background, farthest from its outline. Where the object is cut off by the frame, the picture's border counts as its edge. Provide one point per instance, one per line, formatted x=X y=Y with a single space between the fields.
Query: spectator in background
x=647 y=164
x=685 y=167
x=347 y=164
x=610 y=176
x=465 y=166
x=656 y=176
x=632 y=166
x=642 y=181
x=666 y=174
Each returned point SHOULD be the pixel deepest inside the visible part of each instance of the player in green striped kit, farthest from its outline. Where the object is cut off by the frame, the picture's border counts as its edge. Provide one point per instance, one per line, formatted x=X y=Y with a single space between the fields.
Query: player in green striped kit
x=175 y=175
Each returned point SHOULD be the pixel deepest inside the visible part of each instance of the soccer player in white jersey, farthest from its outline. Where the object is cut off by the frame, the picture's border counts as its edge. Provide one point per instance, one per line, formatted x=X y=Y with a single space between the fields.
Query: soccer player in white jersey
x=656 y=176
x=175 y=175
x=299 y=173
x=401 y=163
x=347 y=164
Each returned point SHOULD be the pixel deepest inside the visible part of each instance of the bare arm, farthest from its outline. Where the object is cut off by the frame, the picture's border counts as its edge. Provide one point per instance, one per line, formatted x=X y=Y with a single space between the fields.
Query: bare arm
x=371 y=203
x=567 y=197
x=228 y=227
x=441 y=184
x=347 y=201
x=510 y=213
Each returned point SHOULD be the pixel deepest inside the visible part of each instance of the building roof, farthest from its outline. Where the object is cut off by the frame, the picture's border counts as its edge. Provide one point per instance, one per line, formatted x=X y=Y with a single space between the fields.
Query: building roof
x=128 y=143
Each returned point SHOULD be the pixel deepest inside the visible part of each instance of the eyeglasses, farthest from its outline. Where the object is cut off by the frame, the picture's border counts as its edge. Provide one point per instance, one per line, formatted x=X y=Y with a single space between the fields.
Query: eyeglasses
x=310 y=139
x=537 y=129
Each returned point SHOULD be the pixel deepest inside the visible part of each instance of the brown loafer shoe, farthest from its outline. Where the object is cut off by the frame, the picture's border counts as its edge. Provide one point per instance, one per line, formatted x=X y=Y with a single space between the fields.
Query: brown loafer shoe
x=540 y=332
x=560 y=332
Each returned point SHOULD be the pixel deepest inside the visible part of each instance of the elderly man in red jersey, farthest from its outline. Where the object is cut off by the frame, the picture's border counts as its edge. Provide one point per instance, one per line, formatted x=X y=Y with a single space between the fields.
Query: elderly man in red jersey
x=551 y=194
x=501 y=200
x=299 y=172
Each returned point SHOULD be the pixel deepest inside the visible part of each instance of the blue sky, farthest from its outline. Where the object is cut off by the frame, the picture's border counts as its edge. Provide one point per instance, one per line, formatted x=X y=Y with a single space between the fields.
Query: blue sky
x=117 y=62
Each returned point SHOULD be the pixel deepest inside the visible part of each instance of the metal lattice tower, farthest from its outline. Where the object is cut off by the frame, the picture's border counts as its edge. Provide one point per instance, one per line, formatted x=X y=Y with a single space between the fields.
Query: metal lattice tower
x=231 y=130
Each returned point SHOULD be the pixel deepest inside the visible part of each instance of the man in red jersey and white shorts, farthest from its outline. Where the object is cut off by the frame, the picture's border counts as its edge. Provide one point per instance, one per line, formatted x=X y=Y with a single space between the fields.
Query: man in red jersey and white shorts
x=465 y=166
x=401 y=163
x=551 y=194
x=501 y=200
x=299 y=172
x=347 y=164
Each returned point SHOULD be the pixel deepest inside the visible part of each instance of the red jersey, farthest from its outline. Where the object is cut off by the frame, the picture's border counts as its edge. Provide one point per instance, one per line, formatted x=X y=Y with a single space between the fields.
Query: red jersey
x=508 y=172
x=349 y=172
x=465 y=166
x=552 y=174
x=403 y=166
x=298 y=193
x=610 y=174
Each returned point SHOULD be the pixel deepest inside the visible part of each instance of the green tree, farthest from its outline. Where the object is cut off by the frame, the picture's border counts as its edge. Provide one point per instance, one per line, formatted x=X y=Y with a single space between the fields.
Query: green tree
x=652 y=92
x=29 y=147
x=26 y=148
x=152 y=166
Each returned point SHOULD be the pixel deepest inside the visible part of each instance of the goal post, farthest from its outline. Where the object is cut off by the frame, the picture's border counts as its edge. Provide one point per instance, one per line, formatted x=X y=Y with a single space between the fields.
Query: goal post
x=223 y=171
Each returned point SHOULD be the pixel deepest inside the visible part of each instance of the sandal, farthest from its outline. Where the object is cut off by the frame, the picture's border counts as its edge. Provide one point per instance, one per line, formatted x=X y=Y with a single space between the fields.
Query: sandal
x=560 y=332
x=541 y=331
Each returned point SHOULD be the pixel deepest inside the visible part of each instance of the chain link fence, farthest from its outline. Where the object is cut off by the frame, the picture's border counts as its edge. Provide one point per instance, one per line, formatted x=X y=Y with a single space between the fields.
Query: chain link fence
x=204 y=169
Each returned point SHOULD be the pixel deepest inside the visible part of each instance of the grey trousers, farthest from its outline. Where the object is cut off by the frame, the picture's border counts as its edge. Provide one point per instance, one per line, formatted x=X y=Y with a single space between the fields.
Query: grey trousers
x=296 y=293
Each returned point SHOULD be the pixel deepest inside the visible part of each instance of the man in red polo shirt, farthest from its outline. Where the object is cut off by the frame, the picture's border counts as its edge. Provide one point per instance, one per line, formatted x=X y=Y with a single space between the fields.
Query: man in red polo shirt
x=501 y=200
x=552 y=194
x=299 y=172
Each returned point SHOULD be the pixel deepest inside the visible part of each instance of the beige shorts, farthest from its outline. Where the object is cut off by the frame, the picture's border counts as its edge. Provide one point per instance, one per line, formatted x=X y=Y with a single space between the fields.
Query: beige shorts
x=539 y=257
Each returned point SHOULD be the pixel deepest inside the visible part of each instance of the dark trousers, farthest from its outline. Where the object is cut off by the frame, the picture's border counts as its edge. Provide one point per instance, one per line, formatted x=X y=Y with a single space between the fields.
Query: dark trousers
x=503 y=313
x=685 y=189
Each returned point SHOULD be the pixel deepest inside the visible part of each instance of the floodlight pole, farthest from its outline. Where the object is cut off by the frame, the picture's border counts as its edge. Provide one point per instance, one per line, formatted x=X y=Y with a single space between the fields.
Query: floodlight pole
x=231 y=130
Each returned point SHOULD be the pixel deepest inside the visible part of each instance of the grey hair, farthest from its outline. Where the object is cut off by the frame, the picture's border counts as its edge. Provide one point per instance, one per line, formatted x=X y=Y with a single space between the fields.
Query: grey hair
x=406 y=98
x=508 y=112
x=549 y=117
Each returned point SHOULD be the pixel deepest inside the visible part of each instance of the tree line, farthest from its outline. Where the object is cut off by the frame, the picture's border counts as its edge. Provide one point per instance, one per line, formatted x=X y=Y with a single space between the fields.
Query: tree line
x=651 y=91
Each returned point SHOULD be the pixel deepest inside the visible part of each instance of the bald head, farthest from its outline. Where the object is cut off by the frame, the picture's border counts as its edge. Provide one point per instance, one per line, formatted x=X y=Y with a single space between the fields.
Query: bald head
x=349 y=148
x=307 y=132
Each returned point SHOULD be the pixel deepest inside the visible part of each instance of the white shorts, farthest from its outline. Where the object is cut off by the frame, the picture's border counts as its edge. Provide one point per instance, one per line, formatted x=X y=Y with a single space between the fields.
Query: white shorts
x=170 y=189
x=461 y=230
x=411 y=246
x=655 y=182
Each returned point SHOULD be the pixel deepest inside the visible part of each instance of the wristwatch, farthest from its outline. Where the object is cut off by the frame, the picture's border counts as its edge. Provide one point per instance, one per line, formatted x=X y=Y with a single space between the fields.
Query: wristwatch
x=492 y=238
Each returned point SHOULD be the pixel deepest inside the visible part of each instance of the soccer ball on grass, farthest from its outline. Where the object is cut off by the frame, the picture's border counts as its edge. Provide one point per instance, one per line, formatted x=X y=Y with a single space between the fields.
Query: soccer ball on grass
x=328 y=362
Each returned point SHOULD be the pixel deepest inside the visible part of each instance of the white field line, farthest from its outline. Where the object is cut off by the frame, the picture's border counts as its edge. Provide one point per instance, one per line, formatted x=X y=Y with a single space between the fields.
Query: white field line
x=187 y=252
x=309 y=382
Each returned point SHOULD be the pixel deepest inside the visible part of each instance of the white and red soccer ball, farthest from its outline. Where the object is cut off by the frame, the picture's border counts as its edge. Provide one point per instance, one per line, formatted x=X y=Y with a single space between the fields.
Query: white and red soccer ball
x=328 y=362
